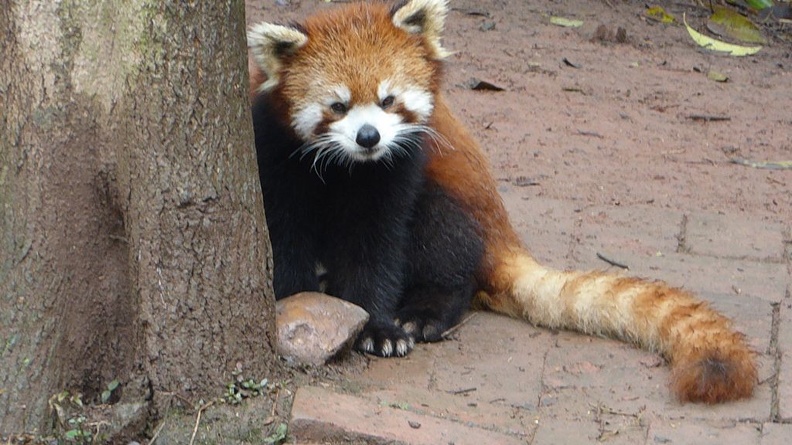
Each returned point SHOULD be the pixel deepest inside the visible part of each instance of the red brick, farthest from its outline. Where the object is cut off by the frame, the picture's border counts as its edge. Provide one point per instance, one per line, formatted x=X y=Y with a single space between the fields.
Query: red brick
x=582 y=374
x=323 y=415
x=776 y=434
x=785 y=375
x=734 y=236
x=702 y=433
x=763 y=280
x=545 y=225
x=462 y=408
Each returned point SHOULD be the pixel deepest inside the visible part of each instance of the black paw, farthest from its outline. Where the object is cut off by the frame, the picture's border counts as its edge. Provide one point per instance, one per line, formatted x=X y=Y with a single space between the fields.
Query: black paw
x=422 y=325
x=384 y=339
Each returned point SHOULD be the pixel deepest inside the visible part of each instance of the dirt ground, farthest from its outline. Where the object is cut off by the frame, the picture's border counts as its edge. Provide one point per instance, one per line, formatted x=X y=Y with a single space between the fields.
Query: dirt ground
x=619 y=127
x=594 y=120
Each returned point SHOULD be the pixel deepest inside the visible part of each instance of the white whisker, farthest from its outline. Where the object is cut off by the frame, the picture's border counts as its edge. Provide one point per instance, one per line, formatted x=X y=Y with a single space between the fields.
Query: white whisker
x=439 y=139
x=328 y=149
x=324 y=149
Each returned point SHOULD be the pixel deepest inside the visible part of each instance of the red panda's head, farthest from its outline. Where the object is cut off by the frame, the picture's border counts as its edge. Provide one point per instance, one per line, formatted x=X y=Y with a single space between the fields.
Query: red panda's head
x=357 y=83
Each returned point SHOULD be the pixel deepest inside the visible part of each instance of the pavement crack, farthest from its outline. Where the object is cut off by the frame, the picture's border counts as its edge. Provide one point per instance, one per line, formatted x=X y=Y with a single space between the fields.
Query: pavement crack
x=788 y=249
x=576 y=236
x=544 y=386
x=774 y=351
x=682 y=246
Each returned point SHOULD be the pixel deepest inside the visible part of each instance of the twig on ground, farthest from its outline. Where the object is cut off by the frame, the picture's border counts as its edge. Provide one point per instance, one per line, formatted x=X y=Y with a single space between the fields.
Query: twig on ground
x=275 y=402
x=198 y=419
x=462 y=391
x=590 y=133
x=453 y=329
x=157 y=431
x=612 y=262
x=708 y=118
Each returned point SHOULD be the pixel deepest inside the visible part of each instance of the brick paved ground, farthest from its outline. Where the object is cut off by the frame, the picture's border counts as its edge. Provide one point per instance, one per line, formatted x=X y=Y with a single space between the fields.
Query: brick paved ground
x=502 y=381
x=615 y=128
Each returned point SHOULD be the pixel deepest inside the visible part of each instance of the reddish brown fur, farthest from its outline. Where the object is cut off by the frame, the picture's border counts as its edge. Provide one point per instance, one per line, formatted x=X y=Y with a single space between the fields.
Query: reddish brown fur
x=317 y=64
x=459 y=165
x=711 y=362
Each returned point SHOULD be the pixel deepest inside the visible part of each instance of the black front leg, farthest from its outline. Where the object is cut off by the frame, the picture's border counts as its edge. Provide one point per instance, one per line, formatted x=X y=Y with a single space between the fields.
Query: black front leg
x=367 y=268
x=366 y=251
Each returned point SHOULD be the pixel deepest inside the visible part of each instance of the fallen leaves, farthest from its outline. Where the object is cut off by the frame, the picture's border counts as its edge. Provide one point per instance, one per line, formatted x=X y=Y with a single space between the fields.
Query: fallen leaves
x=565 y=22
x=729 y=23
x=659 y=14
x=717 y=45
x=766 y=165
x=717 y=76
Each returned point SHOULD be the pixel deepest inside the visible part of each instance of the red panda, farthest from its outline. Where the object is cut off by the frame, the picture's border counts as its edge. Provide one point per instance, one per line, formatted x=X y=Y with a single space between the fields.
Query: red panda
x=366 y=172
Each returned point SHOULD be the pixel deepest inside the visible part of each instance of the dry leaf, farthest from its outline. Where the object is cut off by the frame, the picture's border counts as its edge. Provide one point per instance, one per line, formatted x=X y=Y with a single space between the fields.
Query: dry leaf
x=566 y=23
x=729 y=23
x=717 y=45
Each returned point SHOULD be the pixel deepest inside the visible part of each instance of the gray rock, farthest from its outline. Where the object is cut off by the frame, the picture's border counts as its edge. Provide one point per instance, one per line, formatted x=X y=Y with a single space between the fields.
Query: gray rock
x=313 y=327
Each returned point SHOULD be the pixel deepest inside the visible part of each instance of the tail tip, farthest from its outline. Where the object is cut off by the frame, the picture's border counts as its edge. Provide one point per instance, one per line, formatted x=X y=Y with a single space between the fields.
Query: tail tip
x=714 y=379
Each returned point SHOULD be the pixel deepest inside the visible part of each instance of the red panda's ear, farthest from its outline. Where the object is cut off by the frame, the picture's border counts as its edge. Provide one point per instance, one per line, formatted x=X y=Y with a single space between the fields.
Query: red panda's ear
x=425 y=18
x=269 y=44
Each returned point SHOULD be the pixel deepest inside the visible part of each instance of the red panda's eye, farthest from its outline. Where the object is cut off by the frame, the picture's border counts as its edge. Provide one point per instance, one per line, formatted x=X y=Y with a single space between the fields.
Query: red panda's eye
x=387 y=102
x=338 y=107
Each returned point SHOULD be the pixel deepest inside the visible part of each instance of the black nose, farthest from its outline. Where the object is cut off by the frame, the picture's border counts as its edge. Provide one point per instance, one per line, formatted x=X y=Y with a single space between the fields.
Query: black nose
x=367 y=136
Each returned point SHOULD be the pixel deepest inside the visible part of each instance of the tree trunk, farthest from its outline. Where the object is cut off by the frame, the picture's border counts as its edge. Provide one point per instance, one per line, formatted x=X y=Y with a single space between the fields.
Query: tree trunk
x=132 y=237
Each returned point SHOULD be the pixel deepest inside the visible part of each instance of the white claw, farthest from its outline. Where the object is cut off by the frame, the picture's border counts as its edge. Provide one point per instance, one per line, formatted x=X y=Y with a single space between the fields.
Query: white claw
x=367 y=345
x=404 y=346
x=387 y=348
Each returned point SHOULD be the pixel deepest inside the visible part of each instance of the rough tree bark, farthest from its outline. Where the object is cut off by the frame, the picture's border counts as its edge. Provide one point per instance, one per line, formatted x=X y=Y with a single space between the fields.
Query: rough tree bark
x=132 y=236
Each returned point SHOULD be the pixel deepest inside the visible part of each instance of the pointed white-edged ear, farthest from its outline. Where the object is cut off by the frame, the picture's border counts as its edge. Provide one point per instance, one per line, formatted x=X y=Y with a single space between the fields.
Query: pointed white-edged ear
x=269 y=43
x=426 y=18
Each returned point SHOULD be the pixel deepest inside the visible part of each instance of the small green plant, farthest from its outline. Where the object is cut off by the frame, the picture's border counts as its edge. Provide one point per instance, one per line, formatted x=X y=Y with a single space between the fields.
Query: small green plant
x=78 y=433
x=238 y=391
x=62 y=403
x=67 y=411
x=107 y=393
x=278 y=435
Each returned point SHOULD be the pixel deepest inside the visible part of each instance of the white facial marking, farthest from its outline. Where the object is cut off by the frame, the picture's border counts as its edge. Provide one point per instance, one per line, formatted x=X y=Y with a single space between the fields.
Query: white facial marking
x=339 y=142
x=419 y=102
x=342 y=94
x=384 y=90
x=346 y=131
x=306 y=119
x=414 y=99
x=309 y=116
